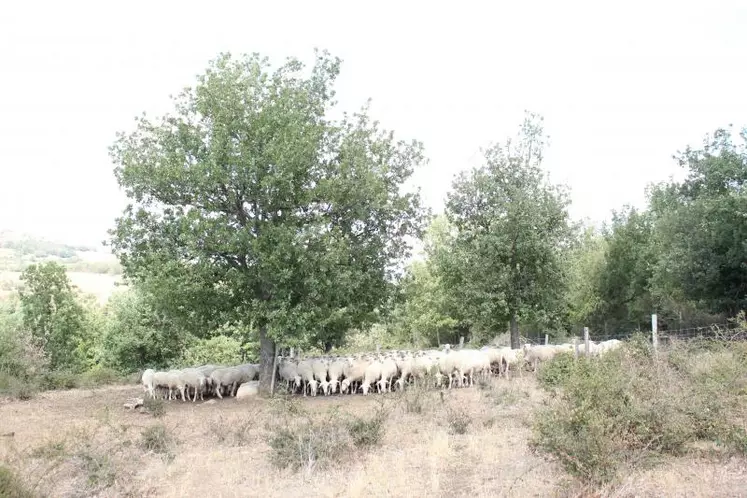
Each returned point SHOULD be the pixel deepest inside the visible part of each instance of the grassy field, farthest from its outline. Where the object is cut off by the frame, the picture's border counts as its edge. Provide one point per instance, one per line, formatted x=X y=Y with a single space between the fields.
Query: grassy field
x=463 y=442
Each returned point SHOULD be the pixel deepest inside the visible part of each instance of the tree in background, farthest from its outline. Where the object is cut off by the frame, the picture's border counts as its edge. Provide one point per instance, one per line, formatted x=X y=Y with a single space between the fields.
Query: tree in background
x=701 y=229
x=625 y=282
x=586 y=264
x=250 y=206
x=512 y=227
x=52 y=314
x=427 y=313
x=136 y=336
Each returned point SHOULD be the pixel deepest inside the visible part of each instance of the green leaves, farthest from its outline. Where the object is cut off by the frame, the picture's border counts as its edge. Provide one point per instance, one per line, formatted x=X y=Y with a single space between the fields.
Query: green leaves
x=512 y=226
x=249 y=202
x=52 y=314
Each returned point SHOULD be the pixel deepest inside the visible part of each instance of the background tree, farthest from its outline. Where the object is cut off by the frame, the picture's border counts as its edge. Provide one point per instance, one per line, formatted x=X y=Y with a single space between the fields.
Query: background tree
x=586 y=264
x=624 y=284
x=52 y=314
x=701 y=228
x=250 y=205
x=512 y=226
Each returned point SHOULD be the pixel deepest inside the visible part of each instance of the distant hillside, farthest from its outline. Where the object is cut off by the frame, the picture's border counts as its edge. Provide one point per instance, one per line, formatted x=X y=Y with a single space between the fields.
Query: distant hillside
x=92 y=270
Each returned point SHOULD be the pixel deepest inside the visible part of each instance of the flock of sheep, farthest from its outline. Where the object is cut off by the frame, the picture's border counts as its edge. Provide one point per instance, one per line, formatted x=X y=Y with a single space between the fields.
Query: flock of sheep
x=364 y=372
x=198 y=381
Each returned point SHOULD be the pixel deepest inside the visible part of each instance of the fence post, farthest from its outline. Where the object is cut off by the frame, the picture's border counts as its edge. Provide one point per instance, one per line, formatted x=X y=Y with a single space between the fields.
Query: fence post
x=378 y=348
x=547 y=339
x=291 y=353
x=461 y=342
x=655 y=332
x=587 y=346
x=575 y=347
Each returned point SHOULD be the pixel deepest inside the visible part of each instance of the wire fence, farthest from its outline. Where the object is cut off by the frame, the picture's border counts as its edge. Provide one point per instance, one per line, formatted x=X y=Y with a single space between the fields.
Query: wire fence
x=716 y=331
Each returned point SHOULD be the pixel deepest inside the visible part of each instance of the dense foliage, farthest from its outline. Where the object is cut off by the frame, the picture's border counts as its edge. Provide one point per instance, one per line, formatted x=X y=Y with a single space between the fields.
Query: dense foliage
x=256 y=219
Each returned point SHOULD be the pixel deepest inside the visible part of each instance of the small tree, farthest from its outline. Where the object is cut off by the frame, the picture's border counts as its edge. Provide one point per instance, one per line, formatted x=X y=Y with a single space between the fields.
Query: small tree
x=51 y=312
x=250 y=206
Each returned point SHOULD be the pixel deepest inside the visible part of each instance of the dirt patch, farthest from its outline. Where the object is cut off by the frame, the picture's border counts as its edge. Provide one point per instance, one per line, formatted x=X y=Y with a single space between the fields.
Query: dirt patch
x=83 y=442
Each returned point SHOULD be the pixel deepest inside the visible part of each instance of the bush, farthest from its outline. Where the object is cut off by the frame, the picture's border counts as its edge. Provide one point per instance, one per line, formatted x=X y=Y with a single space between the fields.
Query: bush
x=156 y=439
x=312 y=444
x=61 y=379
x=11 y=486
x=154 y=406
x=555 y=373
x=618 y=410
x=367 y=431
x=17 y=388
x=100 y=376
x=219 y=350
x=458 y=419
x=309 y=445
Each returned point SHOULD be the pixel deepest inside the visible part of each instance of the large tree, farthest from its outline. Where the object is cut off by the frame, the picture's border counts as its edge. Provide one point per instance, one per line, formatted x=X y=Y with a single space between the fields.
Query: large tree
x=512 y=226
x=701 y=226
x=250 y=205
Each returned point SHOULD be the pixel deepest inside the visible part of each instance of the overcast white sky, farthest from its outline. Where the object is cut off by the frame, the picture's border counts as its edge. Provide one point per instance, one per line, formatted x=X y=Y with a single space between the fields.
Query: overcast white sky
x=622 y=86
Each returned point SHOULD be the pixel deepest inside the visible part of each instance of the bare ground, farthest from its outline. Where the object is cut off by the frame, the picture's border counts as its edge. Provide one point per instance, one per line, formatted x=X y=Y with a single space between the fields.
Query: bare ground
x=84 y=443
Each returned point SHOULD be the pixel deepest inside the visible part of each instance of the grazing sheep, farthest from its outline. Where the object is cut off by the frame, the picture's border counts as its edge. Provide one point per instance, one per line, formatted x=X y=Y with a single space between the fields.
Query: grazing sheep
x=388 y=371
x=147 y=381
x=229 y=377
x=288 y=371
x=536 y=354
x=306 y=371
x=354 y=371
x=371 y=376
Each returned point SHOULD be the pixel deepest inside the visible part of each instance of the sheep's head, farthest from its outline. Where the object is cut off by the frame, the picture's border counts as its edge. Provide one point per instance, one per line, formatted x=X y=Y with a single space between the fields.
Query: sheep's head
x=324 y=386
x=297 y=382
x=333 y=385
x=313 y=386
x=344 y=385
x=365 y=386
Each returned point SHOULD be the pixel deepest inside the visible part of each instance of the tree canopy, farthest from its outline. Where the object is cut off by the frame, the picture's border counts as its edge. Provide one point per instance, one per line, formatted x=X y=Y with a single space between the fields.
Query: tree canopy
x=250 y=205
x=511 y=227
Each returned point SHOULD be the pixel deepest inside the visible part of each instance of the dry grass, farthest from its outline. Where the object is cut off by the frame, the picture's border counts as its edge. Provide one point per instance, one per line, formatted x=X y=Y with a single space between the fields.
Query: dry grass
x=82 y=443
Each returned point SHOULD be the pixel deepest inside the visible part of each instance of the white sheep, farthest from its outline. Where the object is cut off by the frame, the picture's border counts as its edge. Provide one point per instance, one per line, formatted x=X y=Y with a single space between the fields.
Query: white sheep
x=388 y=372
x=147 y=381
x=354 y=371
x=336 y=371
x=371 y=376
x=537 y=354
x=306 y=371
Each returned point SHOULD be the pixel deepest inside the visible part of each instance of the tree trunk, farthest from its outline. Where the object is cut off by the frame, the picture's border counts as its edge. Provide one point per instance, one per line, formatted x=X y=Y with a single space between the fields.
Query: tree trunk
x=514 y=332
x=266 y=359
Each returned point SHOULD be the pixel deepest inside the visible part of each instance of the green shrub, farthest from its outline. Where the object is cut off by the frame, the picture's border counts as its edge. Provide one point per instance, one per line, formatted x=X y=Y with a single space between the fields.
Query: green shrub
x=310 y=446
x=367 y=431
x=616 y=411
x=312 y=443
x=219 y=350
x=60 y=379
x=17 y=388
x=11 y=486
x=100 y=376
x=556 y=372
x=156 y=439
